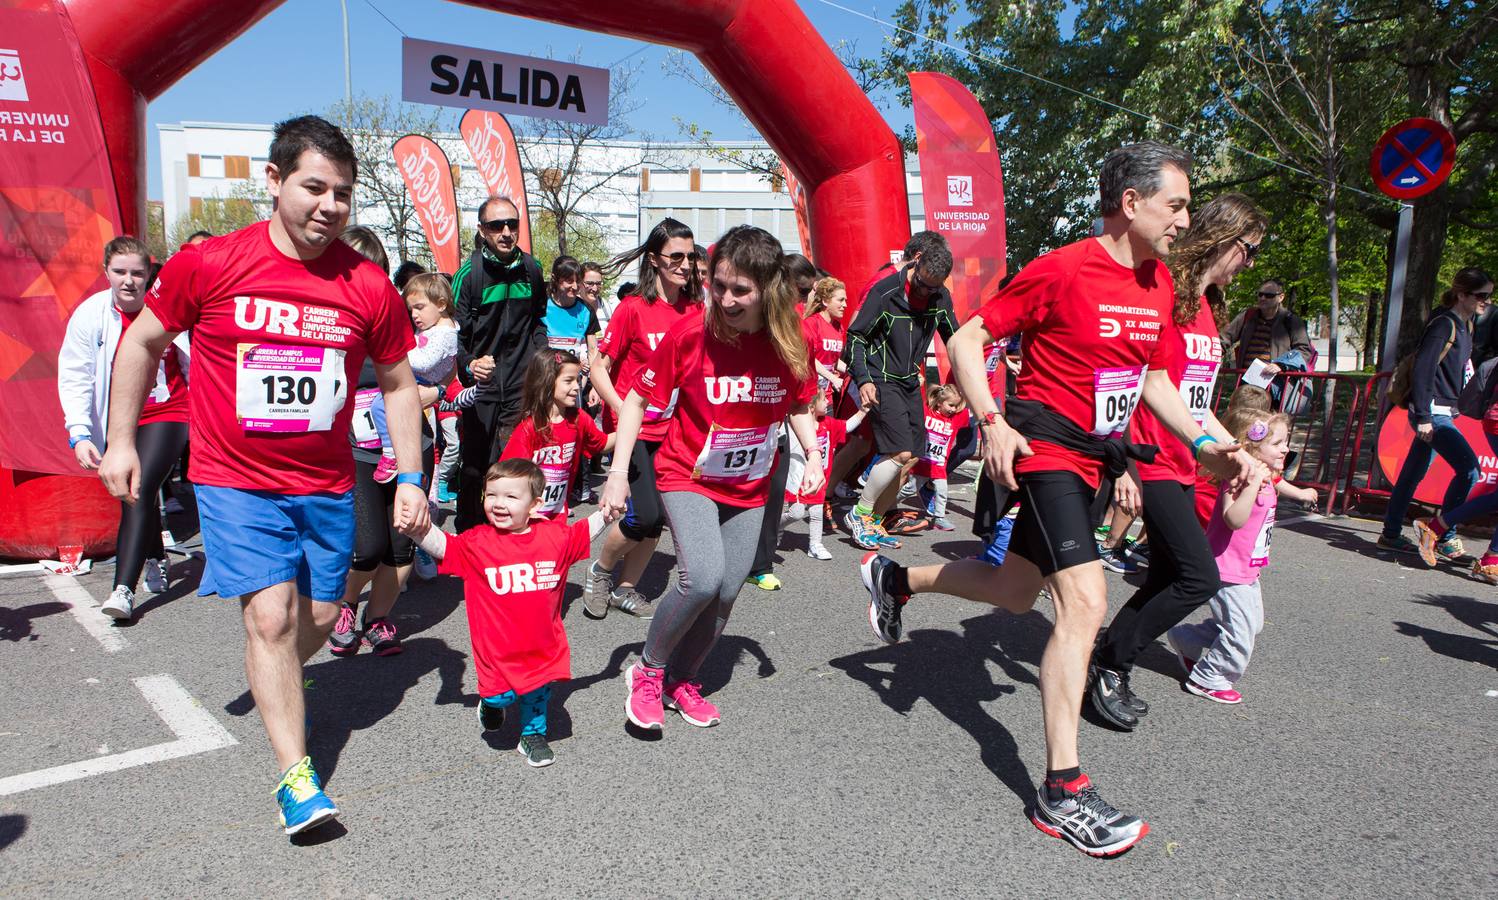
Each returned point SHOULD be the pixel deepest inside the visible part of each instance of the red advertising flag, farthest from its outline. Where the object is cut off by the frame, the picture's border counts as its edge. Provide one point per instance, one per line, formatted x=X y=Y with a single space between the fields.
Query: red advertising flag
x=491 y=142
x=798 y=200
x=429 y=181
x=57 y=211
x=962 y=185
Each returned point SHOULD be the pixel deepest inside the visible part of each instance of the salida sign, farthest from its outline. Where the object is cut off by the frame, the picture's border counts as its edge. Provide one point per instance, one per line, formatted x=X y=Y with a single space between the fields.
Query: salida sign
x=470 y=78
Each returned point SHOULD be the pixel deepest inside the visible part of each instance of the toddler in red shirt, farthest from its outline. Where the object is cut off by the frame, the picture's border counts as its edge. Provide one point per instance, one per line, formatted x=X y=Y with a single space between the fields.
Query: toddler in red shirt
x=832 y=433
x=514 y=572
x=945 y=416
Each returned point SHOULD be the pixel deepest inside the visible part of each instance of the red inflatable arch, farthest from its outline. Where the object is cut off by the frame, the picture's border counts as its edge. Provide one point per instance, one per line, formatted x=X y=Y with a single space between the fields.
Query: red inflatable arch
x=763 y=52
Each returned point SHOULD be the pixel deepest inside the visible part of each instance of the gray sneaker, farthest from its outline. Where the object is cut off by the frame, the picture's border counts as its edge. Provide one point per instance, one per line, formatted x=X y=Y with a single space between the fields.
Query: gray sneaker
x=1087 y=821
x=121 y=603
x=596 y=590
x=633 y=602
x=536 y=750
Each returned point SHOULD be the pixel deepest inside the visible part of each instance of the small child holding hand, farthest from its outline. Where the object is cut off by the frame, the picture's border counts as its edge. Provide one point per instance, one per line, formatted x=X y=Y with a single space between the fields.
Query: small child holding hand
x=514 y=572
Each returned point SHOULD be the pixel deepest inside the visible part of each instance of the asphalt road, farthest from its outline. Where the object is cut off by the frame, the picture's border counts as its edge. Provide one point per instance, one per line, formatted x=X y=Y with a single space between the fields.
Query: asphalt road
x=1360 y=764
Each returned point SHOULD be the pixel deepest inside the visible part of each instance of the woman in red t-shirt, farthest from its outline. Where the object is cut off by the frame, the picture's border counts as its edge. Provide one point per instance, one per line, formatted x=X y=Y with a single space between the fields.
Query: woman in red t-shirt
x=1221 y=242
x=736 y=374
x=669 y=292
x=825 y=333
x=84 y=364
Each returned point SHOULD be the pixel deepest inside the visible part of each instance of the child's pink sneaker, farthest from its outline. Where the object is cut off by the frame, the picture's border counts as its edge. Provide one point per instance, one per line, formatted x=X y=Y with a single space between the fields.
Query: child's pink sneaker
x=643 y=705
x=1228 y=696
x=686 y=698
x=384 y=473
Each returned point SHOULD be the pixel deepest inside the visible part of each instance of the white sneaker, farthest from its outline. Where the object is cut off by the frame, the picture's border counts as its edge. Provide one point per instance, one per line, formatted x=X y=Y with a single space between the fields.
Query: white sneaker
x=121 y=604
x=817 y=551
x=158 y=578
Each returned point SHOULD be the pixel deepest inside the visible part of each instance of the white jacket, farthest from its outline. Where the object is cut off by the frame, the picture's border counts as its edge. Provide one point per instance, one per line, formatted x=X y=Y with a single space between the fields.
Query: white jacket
x=85 y=361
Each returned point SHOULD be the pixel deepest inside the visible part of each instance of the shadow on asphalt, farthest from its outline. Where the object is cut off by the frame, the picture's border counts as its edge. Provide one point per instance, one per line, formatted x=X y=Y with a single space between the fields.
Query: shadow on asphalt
x=11 y=829
x=950 y=672
x=358 y=692
x=15 y=624
x=1350 y=539
x=1475 y=614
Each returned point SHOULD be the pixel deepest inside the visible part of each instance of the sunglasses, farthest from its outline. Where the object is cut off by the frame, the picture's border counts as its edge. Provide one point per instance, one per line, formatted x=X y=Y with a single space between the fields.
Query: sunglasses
x=676 y=259
x=1481 y=295
x=1250 y=250
x=498 y=225
x=1268 y=295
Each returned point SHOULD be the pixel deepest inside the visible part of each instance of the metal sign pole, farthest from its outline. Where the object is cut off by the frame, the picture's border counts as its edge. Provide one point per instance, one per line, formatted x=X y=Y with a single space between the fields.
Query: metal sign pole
x=1396 y=285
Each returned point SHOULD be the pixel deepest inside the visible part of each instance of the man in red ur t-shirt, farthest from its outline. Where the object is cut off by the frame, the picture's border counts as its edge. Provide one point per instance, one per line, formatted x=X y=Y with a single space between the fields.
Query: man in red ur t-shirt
x=282 y=316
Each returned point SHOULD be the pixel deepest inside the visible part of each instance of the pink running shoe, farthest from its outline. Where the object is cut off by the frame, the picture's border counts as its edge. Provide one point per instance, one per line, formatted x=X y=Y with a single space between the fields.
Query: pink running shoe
x=384 y=473
x=686 y=698
x=344 y=641
x=643 y=705
x=1228 y=696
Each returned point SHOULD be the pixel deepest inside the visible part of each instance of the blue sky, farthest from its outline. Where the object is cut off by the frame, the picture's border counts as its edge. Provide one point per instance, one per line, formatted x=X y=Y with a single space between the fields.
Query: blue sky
x=292 y=62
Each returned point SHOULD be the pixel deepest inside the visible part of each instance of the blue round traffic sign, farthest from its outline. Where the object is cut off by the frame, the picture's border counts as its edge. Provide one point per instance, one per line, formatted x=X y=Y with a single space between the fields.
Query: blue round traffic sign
x=1413 y=158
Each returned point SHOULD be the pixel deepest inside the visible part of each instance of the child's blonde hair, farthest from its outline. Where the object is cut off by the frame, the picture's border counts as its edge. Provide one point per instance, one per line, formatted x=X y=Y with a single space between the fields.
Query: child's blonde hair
x=434 y=288
x=940 y=392
x=1253 y=427
x=1248 y=396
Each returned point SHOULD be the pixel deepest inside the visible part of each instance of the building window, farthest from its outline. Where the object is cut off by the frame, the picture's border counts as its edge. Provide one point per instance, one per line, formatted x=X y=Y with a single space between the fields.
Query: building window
x=194 y=165
x=644 y=179
x=195 y=205
x=694 y=179
x=211 y=166
x=236 y=167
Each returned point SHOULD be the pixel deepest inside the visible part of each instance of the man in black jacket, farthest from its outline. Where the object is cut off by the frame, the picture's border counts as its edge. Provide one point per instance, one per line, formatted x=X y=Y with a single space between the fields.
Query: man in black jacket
x=889 y=339
x=501 y=309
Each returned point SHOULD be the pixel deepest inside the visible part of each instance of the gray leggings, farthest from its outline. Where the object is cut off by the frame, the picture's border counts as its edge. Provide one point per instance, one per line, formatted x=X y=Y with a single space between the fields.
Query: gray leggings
x=714 y=551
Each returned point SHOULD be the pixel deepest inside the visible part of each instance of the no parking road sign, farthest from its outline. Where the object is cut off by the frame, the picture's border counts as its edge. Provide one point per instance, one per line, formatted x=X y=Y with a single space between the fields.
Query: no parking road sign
x=1412 y=159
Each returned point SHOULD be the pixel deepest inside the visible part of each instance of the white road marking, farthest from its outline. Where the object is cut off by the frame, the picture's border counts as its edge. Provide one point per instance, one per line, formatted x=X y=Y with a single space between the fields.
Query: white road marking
x=84 y=608
x=1493 y=693
x=197 y=731
x=1303 y=517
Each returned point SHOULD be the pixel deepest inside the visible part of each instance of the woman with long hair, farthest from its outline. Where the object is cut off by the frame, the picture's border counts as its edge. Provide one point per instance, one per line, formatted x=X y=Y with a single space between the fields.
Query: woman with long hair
x=668 y=292
x=1436 y=380
x=733 y=376
x=1222 y=241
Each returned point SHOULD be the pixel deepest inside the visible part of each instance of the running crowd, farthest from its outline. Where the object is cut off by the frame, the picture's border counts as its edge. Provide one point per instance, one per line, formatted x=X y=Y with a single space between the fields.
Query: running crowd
x=329 y=411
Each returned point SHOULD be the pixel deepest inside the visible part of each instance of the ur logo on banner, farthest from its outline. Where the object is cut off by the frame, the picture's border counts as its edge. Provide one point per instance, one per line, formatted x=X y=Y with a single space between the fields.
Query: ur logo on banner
x=959 y=190
x=12 y=79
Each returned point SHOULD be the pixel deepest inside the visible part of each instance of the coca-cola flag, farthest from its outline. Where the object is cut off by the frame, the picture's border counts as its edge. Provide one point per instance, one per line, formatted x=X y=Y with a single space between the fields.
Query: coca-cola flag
x=492 y=143
x=962 y=185
x=429 y=181
x=798 y=200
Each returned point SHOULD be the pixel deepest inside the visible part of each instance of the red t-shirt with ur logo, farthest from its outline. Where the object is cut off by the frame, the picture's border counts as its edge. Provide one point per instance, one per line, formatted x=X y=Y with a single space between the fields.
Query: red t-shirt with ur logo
x=512 y=587
x=558 y=453
x=1195 y=356
x=1090 y=329
x=276 y=344
x=731 y=399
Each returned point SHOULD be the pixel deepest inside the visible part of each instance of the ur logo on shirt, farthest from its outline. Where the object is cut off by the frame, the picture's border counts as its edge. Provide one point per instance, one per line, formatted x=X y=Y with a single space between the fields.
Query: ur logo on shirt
x=1202 y=346
x=269 y=316
x=654 y=339
x=730 y=389
x=523 y=577
x=555 y=455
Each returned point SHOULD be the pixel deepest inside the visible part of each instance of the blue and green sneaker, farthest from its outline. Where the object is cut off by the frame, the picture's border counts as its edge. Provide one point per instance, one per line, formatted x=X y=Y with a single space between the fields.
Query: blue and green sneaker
x=303 y=803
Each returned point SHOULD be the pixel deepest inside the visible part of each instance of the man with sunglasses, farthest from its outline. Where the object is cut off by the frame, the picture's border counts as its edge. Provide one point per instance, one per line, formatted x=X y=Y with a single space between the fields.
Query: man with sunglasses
x=889 y=340
x=501 y=310
x=1268 y=331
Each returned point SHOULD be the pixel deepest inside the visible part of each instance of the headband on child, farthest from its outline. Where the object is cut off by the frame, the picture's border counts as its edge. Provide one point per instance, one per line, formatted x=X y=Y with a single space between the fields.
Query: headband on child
x=1258 y=430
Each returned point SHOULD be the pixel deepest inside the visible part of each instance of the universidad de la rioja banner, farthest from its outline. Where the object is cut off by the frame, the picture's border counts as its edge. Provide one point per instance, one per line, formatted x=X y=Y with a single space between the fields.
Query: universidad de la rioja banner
x=491 y=143
x=58 y=209
x=429 y=181
x=962 y=185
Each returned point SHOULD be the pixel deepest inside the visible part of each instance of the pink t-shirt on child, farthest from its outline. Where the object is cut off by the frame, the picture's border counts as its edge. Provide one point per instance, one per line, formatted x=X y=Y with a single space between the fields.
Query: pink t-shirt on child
x=1242 y=554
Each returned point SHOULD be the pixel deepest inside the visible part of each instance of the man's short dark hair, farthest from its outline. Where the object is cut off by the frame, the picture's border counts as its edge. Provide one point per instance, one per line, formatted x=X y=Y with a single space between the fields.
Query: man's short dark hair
x=1137 y=166
x=1279 y=287
x=294 y=137
x=922 y=242
x=937 y=261
x=199 y=234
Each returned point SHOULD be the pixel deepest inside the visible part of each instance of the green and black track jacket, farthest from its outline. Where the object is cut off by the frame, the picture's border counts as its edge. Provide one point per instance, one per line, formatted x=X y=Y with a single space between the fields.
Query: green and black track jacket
x=889 y=340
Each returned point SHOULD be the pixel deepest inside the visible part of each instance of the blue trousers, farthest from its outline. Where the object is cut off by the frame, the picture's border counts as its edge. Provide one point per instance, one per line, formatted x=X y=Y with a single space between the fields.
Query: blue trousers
x=1477 y=507
x=1448 y=441
x=532 y=707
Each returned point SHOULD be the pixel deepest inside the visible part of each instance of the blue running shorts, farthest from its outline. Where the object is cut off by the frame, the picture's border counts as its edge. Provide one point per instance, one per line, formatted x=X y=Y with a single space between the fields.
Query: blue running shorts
x=255 y=539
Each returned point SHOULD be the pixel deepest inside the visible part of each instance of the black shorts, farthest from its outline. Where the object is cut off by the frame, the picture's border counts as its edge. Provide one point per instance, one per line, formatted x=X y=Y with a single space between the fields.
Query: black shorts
x=899 y=419
x=1054 y=527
